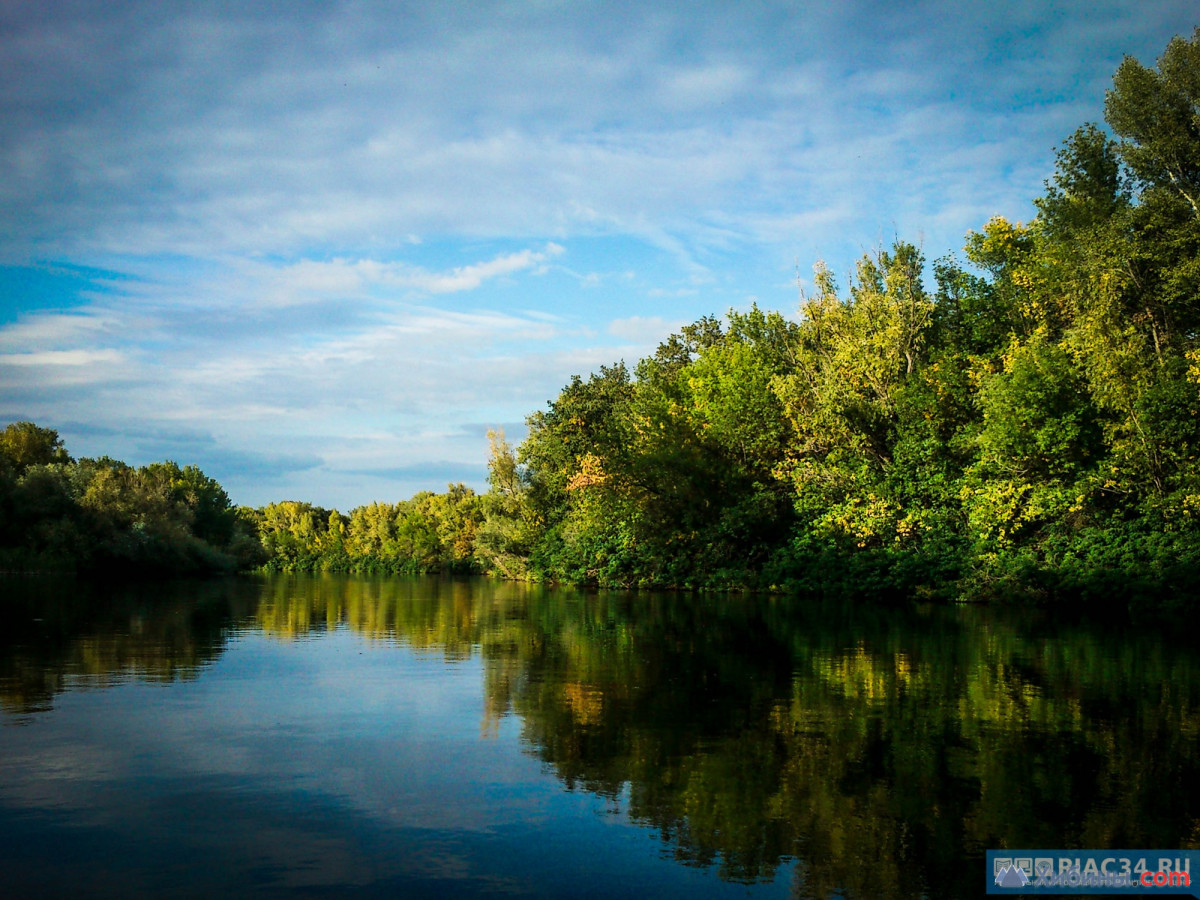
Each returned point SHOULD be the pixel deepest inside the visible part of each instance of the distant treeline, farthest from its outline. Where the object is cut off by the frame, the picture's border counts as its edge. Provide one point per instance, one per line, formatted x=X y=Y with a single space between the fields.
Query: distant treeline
x=59 y=514
x=1031 y=426
x=101 y=515
x=428 y=533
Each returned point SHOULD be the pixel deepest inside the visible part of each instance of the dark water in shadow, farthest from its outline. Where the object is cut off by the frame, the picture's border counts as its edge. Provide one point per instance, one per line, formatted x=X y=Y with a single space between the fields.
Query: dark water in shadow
x=406 y=738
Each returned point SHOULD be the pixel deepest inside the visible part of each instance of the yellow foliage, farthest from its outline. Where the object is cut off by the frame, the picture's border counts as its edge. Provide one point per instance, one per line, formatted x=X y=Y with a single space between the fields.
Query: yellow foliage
x=1193 y=357
x=591 y=472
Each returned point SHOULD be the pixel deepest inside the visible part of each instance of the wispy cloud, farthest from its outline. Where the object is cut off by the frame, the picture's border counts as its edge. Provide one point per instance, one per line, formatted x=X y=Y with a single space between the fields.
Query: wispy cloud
x=61 y=358
x=467 y=278
x=642 y=329
x=314 y=281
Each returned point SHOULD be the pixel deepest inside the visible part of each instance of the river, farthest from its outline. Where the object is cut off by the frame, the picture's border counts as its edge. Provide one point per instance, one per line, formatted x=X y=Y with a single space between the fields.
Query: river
x=341 y=736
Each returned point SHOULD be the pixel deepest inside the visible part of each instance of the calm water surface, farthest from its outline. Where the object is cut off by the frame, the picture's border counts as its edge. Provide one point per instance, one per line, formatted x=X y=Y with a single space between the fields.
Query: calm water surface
x=404 y=738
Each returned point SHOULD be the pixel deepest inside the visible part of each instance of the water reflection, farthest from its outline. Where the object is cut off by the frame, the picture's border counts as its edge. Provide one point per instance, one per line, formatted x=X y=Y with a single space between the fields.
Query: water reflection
x=872 y=752
x=61 y=634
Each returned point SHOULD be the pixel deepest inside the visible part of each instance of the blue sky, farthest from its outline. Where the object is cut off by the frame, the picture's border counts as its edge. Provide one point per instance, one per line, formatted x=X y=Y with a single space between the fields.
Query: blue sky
x=320 y=248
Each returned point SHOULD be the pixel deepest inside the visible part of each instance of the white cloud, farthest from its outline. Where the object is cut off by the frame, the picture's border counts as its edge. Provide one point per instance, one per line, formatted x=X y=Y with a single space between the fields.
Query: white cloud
x=647 y=330
x=704 y=86
x=61 y=358
x=466 y=278
x=310 y=281
x=55 y=330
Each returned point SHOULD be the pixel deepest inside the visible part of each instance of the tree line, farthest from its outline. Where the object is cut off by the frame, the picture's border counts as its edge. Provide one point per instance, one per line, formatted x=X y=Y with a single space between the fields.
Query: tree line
x=102 y=515
x=1022 y=421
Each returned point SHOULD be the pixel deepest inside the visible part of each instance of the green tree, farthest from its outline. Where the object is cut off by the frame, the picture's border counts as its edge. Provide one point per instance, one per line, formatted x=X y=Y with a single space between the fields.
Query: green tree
x=510 y=526
x=24 y=444
x=1155 y=112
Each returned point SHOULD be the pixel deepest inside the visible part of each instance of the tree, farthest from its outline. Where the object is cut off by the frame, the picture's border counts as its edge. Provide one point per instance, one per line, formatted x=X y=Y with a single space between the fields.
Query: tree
x=510 y=527
x=1087 y=188
x=1158 y=114
x=24 y=444
x=854 y=355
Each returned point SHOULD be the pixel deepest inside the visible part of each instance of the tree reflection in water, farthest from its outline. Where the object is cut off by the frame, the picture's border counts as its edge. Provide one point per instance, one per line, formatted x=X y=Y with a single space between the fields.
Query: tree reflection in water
x=879 y=750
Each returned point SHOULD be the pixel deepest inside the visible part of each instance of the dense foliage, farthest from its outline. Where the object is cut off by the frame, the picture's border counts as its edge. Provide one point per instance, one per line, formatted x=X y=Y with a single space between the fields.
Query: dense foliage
x=428 y=533
x=1028 y=425
x=103 y=515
